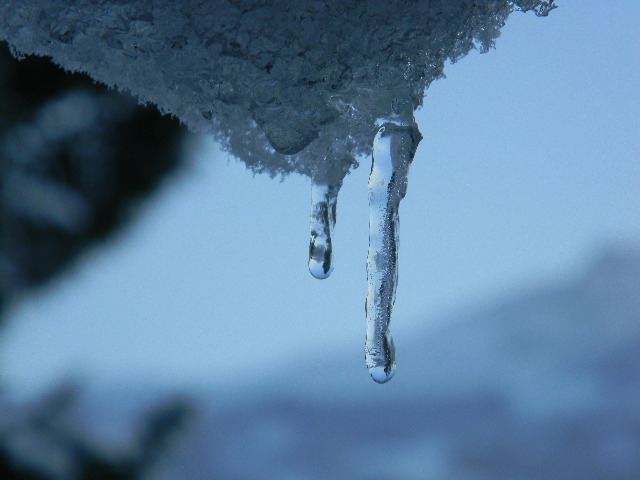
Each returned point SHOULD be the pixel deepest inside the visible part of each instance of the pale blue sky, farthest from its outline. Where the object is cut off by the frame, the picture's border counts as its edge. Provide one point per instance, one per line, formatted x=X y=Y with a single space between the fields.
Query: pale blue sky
x=530 y=160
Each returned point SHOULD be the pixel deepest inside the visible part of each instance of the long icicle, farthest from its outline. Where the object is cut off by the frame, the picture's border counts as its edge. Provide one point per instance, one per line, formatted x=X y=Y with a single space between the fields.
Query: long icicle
x=394 y=146
x=322 y=220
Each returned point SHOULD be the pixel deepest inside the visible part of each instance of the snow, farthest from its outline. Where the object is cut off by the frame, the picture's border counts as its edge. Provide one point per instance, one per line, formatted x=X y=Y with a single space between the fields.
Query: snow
x=285 y=86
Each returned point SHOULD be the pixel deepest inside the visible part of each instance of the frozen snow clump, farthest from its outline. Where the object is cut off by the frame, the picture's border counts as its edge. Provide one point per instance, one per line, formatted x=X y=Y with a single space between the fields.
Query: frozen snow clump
x=284 y=85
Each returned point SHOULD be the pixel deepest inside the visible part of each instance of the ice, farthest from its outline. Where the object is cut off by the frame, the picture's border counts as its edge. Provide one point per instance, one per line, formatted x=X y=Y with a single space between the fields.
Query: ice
x=322 y=221
x=285 y=86
x=394 y=146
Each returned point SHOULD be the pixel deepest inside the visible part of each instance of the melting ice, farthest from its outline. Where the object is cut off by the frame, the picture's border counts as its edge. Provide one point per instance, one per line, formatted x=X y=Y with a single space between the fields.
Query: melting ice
x=309 y=96
x=323 y=218
x=394 y=146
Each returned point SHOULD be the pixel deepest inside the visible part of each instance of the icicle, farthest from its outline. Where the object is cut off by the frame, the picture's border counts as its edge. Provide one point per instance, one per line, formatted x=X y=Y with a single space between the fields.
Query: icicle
x=322 y=221
x=394 y=146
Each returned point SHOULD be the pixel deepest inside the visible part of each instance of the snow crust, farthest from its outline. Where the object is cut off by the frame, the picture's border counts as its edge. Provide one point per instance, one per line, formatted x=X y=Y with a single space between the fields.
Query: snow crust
x=284 y=85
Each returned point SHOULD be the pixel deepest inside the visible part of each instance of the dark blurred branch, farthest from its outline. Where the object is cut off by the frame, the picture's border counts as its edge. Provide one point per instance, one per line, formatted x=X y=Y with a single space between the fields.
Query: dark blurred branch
x=75 y=158
x=45 y=443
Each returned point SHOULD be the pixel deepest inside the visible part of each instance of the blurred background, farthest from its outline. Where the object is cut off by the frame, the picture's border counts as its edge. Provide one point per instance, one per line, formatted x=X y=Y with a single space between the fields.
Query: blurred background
x=159 y=322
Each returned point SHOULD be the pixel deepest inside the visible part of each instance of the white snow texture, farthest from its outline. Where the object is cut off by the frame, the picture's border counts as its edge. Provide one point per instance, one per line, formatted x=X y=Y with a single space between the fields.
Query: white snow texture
x=284 y=85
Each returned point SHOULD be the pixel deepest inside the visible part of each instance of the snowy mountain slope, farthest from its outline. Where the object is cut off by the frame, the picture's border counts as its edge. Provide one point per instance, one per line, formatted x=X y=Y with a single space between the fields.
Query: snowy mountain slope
x=546 y=385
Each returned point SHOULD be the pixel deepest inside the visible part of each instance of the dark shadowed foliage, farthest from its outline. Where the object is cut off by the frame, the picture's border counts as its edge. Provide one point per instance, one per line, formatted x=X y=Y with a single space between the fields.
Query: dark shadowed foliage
x=75 y=158
x=75 y=161
x=44 y=441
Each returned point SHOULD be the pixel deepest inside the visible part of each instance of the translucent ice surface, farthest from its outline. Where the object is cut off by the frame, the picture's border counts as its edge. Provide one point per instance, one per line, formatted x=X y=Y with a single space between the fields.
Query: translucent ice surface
x=322 y=221
x=394 y=146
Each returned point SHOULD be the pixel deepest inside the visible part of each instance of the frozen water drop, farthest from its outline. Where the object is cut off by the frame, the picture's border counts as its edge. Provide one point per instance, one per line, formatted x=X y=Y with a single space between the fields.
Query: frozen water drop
x=382 y=374
x=383 y=371
x=322 y=220
x=394 y=146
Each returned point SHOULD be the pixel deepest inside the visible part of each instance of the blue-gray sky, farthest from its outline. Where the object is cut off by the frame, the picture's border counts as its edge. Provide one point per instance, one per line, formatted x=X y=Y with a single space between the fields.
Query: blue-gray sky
x=530 y=160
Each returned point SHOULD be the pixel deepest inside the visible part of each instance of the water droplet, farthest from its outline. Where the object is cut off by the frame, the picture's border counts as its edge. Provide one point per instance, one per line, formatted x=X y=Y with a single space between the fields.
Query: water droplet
x=394 y=146
x=322 y=220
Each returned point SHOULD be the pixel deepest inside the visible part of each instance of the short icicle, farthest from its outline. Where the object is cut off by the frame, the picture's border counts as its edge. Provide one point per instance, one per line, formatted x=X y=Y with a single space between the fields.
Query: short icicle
x=322 y=221
x=394 y=146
